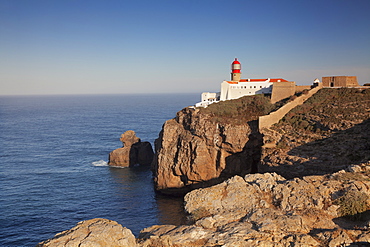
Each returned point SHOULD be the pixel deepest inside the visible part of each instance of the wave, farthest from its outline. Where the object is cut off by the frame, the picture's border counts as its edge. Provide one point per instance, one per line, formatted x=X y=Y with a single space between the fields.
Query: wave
x=100 y=163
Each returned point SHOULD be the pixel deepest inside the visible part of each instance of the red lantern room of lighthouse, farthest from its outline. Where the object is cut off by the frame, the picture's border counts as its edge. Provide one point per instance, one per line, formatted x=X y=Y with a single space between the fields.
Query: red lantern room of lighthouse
x=235 y=70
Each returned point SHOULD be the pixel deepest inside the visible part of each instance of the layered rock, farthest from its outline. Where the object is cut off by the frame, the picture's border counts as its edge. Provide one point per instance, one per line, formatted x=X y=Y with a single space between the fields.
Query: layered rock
x=133 y=151
x=268 y=210
x=192 y=150
x=95 y=232
x=257 y=210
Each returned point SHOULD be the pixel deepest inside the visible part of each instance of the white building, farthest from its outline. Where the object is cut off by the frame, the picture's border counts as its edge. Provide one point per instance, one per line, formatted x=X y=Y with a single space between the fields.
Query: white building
x=208 y=98
x=237 y=87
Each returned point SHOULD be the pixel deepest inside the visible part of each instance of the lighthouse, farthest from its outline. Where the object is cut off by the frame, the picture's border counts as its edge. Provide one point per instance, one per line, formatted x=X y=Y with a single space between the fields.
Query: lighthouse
x=237 y=87
x=235 y=70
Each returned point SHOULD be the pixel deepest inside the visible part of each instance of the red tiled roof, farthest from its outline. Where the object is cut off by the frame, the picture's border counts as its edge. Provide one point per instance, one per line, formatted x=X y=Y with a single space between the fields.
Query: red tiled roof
x=259 y=80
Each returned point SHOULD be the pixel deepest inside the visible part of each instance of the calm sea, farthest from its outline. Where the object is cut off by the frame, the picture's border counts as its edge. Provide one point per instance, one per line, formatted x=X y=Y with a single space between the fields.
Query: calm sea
x=53 y=163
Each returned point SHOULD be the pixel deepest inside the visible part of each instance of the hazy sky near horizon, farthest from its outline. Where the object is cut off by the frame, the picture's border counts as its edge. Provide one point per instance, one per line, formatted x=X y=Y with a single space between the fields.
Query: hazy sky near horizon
x=174 y=46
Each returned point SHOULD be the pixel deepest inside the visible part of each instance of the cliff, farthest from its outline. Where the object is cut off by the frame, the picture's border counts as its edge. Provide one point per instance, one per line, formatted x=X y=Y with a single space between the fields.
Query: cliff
x=201 y=147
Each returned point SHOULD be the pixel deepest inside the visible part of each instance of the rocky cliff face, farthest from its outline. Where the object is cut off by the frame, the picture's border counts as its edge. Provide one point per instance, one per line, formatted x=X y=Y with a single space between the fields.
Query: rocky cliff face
x=201 y=147
x=192 y=150
x=205 y=146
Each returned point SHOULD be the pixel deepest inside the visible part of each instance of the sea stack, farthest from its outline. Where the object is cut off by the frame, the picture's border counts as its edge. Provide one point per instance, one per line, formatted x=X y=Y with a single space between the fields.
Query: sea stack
x=133 y=151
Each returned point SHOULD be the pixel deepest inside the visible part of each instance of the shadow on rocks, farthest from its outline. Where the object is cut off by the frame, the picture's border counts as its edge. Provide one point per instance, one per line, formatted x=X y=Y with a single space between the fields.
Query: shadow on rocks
x=323 y=156
x=246 y=161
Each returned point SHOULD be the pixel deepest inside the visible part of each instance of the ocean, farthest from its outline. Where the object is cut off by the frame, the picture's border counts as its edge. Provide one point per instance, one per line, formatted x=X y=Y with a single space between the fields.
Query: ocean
x=53 y=163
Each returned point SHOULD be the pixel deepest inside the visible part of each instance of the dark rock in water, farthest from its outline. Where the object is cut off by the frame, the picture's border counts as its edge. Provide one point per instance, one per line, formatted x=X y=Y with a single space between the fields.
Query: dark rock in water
x=133 y=151
x=141 y=153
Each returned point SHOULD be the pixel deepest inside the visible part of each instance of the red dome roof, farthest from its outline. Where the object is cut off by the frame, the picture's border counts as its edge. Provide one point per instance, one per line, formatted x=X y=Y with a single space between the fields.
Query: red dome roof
x=236 y=61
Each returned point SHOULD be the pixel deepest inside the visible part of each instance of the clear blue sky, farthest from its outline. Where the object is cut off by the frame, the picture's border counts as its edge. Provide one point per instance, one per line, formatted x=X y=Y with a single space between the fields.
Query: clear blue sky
x=171 y=46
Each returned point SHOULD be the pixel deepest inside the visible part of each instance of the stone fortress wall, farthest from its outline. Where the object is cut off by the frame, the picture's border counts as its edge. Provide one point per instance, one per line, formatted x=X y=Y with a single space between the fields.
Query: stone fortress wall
x=301 y=88
x=282 y=90
x=340 y=81
x=287 y=89
x=274 y=117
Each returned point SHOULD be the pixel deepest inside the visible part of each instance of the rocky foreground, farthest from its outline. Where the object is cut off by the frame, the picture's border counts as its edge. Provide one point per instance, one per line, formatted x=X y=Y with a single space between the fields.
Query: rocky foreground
x=257 y=210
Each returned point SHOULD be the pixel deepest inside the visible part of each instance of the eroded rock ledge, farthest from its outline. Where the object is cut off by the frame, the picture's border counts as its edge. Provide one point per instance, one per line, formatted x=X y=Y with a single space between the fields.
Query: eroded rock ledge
x=259 y=210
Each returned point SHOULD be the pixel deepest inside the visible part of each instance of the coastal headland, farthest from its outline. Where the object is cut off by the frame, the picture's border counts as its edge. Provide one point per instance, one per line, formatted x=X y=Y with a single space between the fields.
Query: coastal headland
x=303 y=181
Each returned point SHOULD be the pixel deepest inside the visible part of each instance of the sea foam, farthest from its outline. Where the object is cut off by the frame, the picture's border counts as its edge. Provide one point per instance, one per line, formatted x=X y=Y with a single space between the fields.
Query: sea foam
x=100 y=163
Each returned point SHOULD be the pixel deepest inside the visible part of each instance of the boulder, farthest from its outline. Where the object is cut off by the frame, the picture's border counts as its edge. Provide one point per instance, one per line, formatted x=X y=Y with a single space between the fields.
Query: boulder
x=95 y=232
x=133 y=151
x=232 y=199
